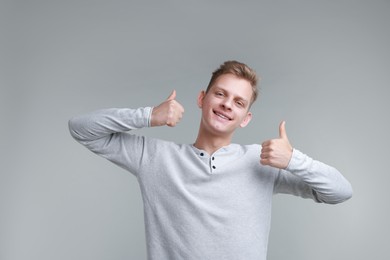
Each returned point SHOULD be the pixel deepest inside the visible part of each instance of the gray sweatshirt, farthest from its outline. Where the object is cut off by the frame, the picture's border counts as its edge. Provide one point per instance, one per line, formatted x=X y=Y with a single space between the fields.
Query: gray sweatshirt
x=200 y=206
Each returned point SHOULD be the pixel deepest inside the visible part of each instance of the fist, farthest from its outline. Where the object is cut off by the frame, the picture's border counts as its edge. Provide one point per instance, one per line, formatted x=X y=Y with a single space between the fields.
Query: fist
x=168 y=112
x=277 y=152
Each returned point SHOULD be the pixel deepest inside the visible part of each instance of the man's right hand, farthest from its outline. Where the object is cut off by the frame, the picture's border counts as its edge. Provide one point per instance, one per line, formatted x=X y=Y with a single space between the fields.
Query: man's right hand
x=168 y=112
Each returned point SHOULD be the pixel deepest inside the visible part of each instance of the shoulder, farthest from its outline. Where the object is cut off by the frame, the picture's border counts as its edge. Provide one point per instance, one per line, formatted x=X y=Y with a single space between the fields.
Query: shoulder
x=247 y=148
x=156 y=145
x=247 y=152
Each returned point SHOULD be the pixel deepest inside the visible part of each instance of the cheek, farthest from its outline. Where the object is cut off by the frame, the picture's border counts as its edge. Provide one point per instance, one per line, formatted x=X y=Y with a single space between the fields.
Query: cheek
x=206 y=103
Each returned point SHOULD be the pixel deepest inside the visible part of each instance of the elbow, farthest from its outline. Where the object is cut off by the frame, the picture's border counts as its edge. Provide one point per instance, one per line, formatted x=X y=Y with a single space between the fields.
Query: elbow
x=345 y=192
x=343 y=196
x=337 y=196
x=348 y=192
x=72 y=125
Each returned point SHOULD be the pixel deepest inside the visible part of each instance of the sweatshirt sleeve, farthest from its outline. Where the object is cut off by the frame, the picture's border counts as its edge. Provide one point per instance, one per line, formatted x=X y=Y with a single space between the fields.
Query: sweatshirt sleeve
x=105 y=132
x=309 y=178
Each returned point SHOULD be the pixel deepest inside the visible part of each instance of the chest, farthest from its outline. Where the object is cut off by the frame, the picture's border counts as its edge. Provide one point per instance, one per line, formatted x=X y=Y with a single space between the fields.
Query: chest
x=216 y=183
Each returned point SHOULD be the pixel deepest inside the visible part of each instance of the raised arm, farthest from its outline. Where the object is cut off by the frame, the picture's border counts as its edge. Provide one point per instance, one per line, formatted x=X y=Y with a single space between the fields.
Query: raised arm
x=104 y=132
x=301 y=175
x=93 y=126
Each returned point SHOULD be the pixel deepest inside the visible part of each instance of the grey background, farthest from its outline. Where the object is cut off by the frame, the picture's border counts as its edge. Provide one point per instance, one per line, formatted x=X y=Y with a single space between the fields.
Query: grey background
x=324 y=68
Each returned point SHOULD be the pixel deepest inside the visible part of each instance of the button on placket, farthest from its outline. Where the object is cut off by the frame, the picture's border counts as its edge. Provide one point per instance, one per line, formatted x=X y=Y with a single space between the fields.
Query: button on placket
x=212 y=163
x=205 y=158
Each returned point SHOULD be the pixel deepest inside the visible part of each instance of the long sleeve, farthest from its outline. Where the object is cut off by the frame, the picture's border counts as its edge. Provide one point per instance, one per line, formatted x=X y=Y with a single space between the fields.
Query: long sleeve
x=309 y=178
x=104 y=132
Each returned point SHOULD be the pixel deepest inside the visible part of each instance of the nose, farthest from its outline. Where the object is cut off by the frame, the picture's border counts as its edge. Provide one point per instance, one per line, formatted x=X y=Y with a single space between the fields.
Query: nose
x=226 y=104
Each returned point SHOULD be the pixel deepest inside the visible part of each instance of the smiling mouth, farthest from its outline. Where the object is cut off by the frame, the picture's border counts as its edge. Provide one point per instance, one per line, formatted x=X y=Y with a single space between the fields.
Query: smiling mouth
x=222 y=115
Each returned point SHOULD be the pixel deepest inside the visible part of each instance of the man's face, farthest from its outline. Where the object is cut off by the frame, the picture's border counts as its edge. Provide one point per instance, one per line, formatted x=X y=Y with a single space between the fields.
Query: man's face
x=225 y=106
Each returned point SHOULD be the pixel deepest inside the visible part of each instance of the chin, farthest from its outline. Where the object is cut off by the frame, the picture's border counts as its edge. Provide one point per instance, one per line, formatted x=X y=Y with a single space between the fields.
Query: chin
x=222 y=131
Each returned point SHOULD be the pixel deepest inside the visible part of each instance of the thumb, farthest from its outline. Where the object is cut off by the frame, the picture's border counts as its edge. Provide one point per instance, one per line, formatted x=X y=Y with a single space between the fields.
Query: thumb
x=282 y=130
x=172 y=96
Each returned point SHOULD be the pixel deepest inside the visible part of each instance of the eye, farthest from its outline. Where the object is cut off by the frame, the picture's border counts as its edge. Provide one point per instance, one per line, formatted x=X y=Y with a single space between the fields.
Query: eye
x=240 y=103
x=219 y=93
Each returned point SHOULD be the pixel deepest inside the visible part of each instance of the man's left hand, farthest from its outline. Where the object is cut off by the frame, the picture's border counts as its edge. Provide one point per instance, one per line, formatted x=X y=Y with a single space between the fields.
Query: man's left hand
x=277 y=152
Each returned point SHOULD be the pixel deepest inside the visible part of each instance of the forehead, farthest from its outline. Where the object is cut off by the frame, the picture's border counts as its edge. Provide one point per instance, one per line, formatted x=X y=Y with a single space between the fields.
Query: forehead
x=234 y=85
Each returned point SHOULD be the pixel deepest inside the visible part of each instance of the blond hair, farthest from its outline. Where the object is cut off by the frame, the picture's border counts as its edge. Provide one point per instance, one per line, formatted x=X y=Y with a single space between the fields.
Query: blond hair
x=238 y=69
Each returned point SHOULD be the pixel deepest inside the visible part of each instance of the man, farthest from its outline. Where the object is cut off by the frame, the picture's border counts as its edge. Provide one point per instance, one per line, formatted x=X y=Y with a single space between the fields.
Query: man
x=211 y=199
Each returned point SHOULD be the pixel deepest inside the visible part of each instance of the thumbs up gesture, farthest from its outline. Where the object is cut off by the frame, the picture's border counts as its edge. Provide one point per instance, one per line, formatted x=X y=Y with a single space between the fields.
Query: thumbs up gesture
x=277 y=152
x=168 y=112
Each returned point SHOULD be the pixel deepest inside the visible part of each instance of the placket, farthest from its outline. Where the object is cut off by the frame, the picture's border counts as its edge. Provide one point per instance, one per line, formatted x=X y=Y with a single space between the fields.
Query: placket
x=211 y=161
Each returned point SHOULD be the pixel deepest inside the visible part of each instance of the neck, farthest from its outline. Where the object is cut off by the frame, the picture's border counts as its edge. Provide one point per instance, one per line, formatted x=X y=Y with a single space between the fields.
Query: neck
x=211 y=143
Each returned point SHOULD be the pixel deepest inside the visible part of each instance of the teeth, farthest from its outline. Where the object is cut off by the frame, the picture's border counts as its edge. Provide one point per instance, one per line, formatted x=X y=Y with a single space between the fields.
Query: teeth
x=222 y=116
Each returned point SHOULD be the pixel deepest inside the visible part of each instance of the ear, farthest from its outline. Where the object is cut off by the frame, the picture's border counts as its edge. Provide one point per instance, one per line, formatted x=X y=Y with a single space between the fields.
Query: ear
x=246 y=120
x=201 y=96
